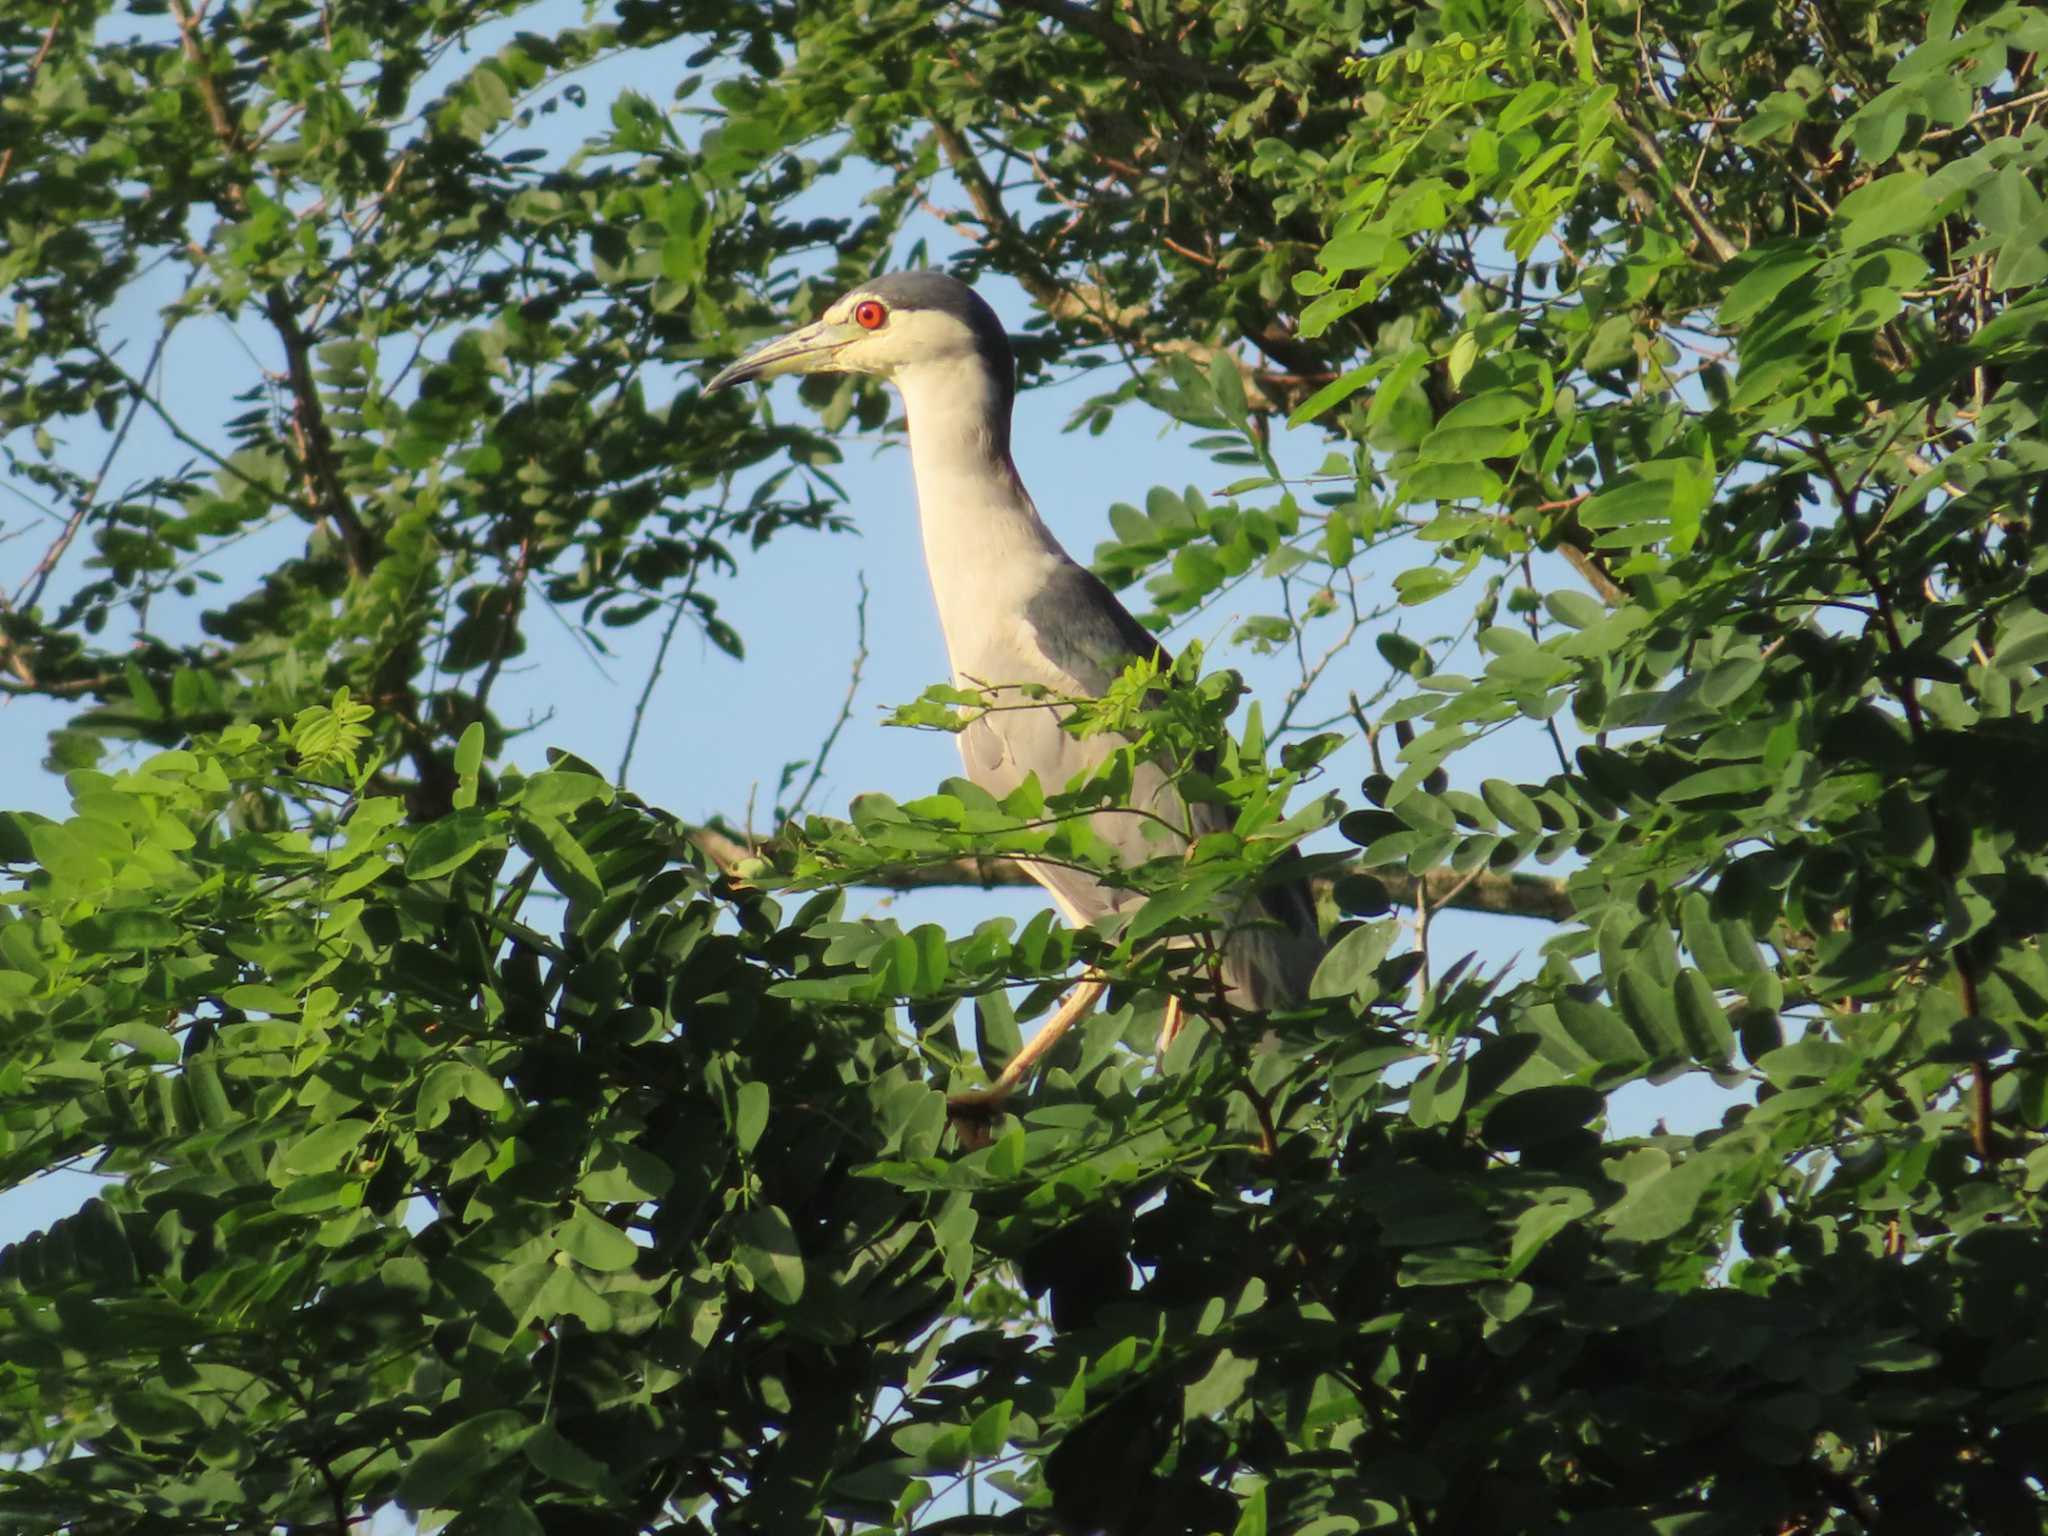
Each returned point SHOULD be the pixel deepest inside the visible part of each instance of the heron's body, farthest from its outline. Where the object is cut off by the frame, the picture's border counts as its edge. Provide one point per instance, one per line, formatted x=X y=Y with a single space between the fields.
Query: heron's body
x=1016 y=609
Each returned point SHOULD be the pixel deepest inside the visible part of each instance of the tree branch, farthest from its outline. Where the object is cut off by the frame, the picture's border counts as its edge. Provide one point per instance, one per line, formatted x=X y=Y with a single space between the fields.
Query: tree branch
x=1511 y=895
x=325 y=495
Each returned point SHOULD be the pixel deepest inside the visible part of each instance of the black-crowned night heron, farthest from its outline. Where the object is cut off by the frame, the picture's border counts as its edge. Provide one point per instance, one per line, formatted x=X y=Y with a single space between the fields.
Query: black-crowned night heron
x=1018 y=610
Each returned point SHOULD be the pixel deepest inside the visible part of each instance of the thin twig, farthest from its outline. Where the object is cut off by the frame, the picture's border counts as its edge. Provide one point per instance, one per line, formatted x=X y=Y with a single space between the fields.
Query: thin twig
x=1989 y=112
x=860 y=661
x=31 y=590
x=1428 y=903
x=668 y=635
x=1312 y=674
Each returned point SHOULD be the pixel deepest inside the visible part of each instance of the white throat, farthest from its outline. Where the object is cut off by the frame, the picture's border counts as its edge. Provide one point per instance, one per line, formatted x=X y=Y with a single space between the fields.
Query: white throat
x=985 y=546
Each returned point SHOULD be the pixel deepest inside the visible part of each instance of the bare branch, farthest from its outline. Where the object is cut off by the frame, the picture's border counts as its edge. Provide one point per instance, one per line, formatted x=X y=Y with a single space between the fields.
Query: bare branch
x=860 y=661
x=30 y=593
x=668 y=635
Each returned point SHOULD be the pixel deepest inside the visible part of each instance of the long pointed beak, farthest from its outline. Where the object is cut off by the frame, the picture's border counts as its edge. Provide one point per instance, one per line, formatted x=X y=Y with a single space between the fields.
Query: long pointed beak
x=810 y=350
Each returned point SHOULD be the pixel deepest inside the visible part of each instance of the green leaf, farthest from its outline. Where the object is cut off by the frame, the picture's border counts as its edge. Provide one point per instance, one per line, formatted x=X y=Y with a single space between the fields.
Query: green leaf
x=1358 y=248
x=557 y=793
x=554 y=1455
x=1540 y=1115
x=146 y=1040
x=564 y=1293
x=1775 y=118
x=1490 y=408
x=1537 y=1225
x=1331 y=395
x=568 y=868
x=1574 y=609
x=621 y=1172
x=325 y=1147
x=996 y=1033
x=750 y=1116
x=124 y=930
x=1348 y=969
x=1764 y=274
x=1661 y=1197
x=334 y=1189
x=765 y=1244
x=1228 y=385
x=155 y=1414
x=595 y=1243
x=460 y=1459
x=1468 y=444
x=1884 y=209
x=15 y=845
x=990 y=1431
x=256 y=997
x=469 y=756
x=1220 y=1387
x=1707 y=1031
x=444 y=846
x=1598 y=1030
x=2023 y=257
x=1650 y=1010
x=1879 y=127
x=1508 y=802
x=1006 y=1157
x=1811 y=1059
x=935 y=1447
x=469 y=752
x=1252 y=1521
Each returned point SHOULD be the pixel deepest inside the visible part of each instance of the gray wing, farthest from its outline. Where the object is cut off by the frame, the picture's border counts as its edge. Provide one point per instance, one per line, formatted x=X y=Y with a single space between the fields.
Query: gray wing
x=1084 y=632
x=1085 y=638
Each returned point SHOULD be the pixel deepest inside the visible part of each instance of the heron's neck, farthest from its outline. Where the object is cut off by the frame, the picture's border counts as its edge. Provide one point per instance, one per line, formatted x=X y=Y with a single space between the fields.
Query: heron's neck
x=985 y=546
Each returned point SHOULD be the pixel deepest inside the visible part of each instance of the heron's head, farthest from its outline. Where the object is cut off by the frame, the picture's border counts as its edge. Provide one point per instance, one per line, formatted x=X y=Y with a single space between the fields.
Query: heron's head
x=892 y=327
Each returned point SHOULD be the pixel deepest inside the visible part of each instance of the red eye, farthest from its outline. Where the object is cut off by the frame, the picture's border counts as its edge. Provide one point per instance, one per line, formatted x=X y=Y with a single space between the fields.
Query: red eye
x=870 y=314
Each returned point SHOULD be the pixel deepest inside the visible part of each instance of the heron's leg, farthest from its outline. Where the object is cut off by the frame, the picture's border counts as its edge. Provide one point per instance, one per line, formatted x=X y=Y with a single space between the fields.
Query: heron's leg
x=1086 y=994
x=1171 y=1026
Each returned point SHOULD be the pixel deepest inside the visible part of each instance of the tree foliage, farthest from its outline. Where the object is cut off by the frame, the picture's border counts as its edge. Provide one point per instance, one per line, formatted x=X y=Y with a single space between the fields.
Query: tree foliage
x=476 y=1145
